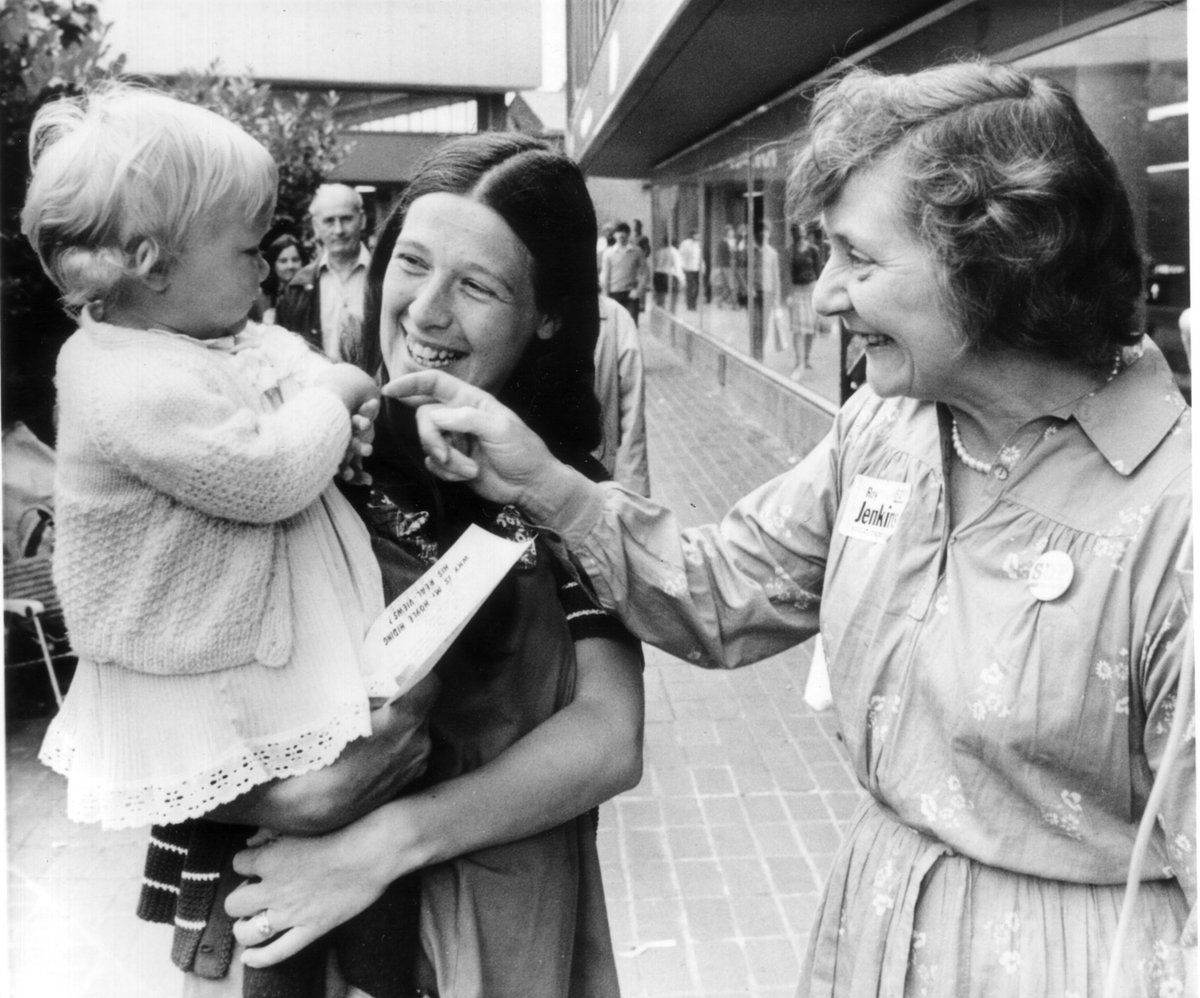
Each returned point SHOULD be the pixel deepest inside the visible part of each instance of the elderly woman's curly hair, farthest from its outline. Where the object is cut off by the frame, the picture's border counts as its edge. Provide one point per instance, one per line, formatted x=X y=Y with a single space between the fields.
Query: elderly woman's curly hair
x=1006 y=185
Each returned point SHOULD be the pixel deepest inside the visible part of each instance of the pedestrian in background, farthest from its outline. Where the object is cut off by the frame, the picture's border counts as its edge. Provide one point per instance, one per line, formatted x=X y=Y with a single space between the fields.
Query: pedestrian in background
x=640 y=239
x=323 y=302
x=621 y=389
x=691 y=259
x=997 y=556
x=724 y=278
x=805 y=266
x=624 y=272
x=668 y=275
x=741 y=265
x=284 y=256
x=603 y=241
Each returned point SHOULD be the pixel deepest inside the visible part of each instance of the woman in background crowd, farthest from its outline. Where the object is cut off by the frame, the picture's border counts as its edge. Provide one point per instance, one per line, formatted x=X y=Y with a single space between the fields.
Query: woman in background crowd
x=284 y=256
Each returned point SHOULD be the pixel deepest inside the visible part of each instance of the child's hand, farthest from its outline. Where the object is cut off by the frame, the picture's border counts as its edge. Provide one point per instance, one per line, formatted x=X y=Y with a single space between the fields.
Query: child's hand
x=362 y=433
x=349 y=383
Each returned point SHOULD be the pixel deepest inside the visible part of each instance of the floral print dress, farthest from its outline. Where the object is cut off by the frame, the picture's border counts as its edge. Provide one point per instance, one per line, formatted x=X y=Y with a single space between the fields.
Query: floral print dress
x=1004 y=688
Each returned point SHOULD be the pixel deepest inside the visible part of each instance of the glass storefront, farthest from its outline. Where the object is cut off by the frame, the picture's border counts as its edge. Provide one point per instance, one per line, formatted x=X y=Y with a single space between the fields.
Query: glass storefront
x=754 y=290
x=1131 y=84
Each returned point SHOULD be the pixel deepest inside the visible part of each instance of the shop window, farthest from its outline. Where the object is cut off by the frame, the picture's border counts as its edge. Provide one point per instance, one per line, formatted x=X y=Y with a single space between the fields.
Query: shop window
x=1131 y=83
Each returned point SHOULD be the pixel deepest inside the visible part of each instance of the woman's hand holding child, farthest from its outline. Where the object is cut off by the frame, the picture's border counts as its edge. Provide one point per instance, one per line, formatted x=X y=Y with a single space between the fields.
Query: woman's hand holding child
x=369 y=772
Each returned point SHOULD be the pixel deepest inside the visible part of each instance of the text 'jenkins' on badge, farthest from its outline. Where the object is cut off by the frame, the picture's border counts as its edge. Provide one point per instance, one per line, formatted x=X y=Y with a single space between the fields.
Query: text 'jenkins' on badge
x=872 y=508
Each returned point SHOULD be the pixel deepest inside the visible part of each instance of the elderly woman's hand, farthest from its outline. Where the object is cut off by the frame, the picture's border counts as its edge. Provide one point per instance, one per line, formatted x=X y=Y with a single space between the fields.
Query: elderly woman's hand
x=470 y=437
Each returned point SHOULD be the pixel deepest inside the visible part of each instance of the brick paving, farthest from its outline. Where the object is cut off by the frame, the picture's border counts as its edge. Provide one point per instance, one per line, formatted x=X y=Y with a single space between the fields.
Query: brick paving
x=712 y=864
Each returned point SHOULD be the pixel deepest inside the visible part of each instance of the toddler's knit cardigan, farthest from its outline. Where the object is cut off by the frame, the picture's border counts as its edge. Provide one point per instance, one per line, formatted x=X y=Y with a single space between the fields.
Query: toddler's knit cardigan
x=173 y=479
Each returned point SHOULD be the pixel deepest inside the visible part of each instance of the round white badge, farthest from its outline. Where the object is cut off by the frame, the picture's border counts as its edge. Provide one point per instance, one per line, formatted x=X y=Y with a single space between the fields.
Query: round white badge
x=1050 y=575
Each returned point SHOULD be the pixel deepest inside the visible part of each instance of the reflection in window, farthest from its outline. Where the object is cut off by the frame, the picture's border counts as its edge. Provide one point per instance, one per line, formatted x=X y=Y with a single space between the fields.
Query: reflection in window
x=1131 y=83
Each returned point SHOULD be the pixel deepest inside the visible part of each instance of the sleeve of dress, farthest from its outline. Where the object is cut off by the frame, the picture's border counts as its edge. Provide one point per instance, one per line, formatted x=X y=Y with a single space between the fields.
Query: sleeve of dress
x=719 y=595
x=1168 y=650
x=178 y=432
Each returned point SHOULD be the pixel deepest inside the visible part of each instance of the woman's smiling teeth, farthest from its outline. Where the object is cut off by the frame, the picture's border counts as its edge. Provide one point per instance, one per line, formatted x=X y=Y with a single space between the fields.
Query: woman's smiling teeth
x=428 y=356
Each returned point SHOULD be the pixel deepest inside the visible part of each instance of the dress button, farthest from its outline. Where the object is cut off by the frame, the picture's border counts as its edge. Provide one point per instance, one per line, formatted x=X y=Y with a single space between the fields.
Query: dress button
x=1000 y=472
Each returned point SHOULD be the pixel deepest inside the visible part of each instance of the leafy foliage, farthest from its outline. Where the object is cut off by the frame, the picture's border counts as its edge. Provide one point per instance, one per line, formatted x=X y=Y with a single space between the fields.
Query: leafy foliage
x=298 y=130
x=50 y=48
x=53 y=48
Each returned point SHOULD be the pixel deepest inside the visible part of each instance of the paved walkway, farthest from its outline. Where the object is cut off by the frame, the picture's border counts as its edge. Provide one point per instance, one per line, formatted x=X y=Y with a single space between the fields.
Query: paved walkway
x=712 y=863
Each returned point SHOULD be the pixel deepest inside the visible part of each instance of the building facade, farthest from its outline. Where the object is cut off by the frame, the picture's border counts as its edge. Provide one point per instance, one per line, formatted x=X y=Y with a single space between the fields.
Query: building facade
x=707 y=98
x=408 y=74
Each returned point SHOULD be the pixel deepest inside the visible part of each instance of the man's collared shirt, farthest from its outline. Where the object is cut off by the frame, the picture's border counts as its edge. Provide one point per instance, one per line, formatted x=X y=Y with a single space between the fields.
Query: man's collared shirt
x=341 y=301
x=622 y=269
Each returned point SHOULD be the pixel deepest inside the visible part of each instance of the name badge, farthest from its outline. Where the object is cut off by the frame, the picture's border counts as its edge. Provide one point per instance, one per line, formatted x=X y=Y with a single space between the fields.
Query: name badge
x=872 y=508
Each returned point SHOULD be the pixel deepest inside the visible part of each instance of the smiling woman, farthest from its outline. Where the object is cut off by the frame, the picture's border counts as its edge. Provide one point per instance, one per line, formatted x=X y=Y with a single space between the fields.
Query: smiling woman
x=491 y=235
x=884 y=285
x=458 y=294
x=486 y=269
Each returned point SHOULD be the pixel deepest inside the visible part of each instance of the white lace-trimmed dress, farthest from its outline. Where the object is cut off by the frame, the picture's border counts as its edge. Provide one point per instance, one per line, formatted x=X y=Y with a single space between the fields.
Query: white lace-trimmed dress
x=141 y=749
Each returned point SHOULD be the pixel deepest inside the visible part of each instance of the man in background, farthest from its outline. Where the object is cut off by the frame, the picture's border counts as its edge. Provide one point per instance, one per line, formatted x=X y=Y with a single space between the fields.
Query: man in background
x=624 y=272
x=692 y=260
x=324 y=301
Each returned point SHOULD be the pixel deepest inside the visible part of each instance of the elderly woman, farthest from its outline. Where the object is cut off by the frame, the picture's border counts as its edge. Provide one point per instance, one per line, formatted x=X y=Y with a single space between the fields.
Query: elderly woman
x=989 y=541
x=486 y=270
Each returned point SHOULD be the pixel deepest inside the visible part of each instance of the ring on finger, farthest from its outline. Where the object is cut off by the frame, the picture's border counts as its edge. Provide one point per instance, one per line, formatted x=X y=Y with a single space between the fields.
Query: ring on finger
x=262 y=923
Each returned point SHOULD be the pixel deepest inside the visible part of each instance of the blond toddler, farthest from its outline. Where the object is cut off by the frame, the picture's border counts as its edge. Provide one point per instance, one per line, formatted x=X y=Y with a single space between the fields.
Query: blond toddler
x=216 y=586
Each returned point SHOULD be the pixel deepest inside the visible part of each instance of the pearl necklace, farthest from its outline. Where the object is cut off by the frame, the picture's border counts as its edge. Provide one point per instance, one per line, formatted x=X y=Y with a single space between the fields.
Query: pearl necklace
x=964 y=455
x=985 y=467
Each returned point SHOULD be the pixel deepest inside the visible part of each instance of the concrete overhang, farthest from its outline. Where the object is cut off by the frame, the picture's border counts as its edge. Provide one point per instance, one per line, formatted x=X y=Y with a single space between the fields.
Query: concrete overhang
x=384 y=157
x=720 y=59
x=718 y=66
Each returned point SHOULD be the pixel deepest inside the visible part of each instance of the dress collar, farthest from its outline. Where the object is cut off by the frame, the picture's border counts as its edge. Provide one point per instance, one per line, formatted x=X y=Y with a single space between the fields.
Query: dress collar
x=1128 y=418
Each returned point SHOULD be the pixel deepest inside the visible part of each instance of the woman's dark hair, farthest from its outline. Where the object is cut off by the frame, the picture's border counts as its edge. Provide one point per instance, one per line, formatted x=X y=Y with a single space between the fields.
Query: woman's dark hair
x=1010 y=189
x=275 y=247
x=541 y=195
